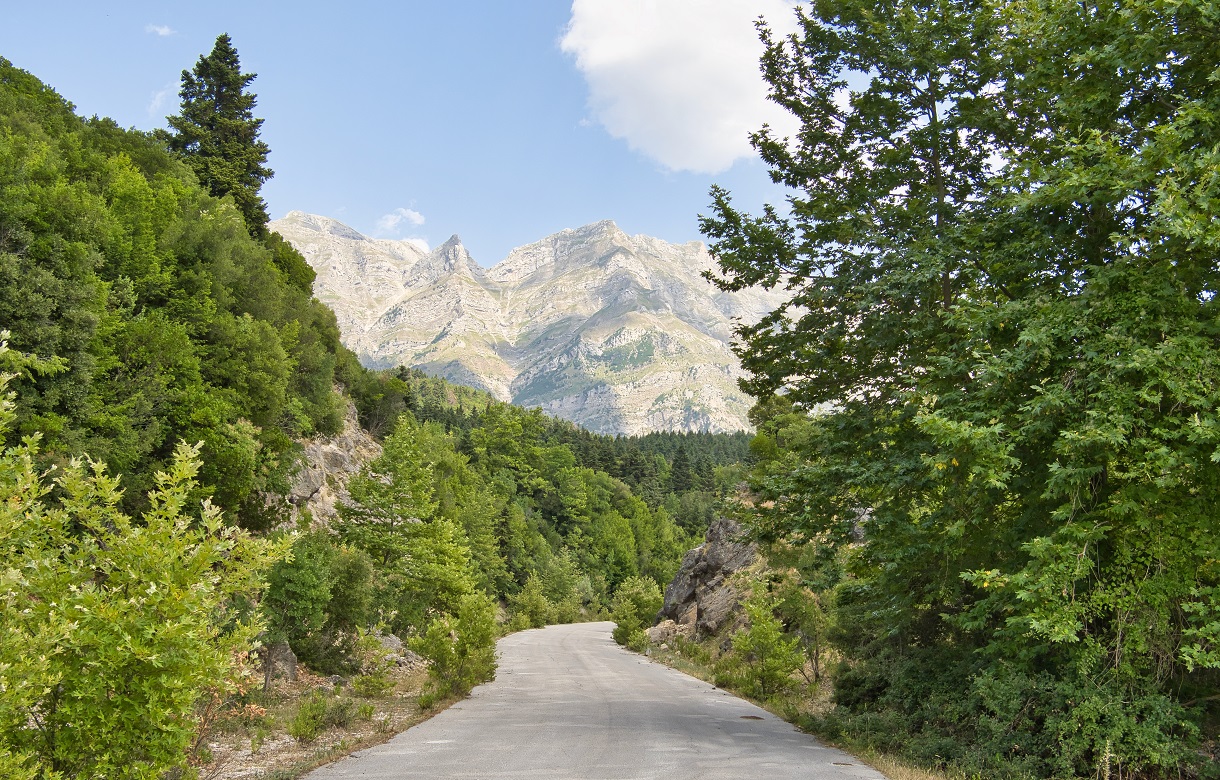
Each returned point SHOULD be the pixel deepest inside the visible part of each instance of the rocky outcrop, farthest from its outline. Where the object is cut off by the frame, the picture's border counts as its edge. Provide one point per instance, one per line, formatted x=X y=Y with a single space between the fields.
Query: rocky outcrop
x=620 y=334
x=702 y=597
x=320 y=484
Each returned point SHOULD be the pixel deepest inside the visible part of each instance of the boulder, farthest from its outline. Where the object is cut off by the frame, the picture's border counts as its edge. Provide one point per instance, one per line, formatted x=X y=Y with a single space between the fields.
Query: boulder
x=701 y=595
x=666 y=630
x=275 y=655
x=390 y=643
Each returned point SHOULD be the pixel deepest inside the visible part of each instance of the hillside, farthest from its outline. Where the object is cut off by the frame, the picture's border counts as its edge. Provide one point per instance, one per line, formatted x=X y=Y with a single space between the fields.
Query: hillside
x=617 y=333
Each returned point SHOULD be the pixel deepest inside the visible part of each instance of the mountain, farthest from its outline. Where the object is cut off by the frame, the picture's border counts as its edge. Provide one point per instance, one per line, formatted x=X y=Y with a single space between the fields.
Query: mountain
x=617 y=333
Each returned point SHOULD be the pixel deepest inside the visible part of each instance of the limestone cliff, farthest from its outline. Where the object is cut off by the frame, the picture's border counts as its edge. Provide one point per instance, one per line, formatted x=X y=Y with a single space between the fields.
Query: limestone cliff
x=320 y=484
x=702 y=597
x=618 y=333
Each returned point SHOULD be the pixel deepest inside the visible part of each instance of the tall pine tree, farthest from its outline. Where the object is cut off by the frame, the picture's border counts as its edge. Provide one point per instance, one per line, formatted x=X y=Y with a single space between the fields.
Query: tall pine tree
x=216 y=132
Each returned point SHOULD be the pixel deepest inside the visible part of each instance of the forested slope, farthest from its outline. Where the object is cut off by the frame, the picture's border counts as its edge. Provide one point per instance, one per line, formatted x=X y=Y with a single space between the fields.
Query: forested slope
x=165 y=319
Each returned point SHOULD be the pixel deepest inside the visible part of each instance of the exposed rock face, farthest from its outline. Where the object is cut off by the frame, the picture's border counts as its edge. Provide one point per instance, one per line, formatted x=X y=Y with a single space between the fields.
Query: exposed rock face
x=618 y=333
x=326 y=466
x=701 y=599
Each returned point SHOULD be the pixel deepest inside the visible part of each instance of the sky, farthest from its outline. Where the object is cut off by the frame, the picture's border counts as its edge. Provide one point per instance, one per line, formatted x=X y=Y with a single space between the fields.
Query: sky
x=498 y=121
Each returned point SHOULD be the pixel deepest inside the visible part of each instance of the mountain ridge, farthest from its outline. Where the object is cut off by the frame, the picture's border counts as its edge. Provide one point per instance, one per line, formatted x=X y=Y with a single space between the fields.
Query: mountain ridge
x=615 y=332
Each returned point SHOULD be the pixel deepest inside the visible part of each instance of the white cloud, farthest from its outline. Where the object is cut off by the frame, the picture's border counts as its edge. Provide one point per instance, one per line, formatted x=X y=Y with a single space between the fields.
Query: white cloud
x=678 y=80
x=159 y=29
x=388 y=223
x=156 y=105
x=391 y=225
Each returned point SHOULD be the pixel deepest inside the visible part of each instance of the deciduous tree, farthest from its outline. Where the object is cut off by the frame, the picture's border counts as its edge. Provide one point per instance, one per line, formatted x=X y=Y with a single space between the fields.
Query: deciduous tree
x=1002 y=259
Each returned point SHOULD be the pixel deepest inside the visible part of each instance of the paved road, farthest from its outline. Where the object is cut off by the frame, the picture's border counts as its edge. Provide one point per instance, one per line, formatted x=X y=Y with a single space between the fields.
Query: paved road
x=567 y=702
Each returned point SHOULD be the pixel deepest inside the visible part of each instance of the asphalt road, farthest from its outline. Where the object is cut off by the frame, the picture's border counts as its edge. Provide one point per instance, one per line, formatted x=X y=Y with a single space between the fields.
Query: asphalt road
x=567 y=702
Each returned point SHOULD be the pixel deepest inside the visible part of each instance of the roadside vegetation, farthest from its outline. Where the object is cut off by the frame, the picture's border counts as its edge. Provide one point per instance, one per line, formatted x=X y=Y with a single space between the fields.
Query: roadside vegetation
x=985 y=476
x=987 y=450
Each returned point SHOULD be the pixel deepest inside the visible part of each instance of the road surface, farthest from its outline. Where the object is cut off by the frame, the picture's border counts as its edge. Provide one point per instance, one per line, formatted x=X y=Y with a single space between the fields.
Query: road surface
x=567 y=702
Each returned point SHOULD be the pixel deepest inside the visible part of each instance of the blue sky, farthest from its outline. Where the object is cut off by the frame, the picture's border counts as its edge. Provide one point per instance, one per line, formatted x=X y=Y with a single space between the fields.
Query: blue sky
x=500 y=121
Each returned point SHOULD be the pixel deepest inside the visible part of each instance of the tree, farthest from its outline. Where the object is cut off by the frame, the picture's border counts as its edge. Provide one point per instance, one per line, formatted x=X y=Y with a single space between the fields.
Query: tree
x=1003 y=276
x=764 y=658
x=636 y=603
x=681 y=477
x=216 y=132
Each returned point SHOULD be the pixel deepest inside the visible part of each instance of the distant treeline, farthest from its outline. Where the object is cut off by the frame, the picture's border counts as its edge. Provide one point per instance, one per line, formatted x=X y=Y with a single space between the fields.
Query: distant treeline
x=655 y=465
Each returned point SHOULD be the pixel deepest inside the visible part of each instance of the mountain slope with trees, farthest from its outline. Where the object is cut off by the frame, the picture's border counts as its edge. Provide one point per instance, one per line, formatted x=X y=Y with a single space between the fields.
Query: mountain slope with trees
x=167 y=319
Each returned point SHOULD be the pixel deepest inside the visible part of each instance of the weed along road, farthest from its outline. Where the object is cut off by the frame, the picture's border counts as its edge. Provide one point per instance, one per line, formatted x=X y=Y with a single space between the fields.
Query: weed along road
x=567 y=702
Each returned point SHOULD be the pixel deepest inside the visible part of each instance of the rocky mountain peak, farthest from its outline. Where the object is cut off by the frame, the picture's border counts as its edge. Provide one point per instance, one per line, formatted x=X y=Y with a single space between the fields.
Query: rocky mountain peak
x=618 y=333
x=323 y=225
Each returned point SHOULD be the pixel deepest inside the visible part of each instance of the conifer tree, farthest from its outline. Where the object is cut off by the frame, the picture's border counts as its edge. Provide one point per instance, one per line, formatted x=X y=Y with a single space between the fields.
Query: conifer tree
x=216 y=132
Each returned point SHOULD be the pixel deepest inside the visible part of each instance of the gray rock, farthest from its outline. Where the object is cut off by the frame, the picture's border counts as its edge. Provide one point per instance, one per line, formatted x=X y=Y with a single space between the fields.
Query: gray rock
x=701 y=596
x=276 y=656
x=666 y=630
x=326 y=466
x=391 y=643
x=618 y=333
x=409 y=659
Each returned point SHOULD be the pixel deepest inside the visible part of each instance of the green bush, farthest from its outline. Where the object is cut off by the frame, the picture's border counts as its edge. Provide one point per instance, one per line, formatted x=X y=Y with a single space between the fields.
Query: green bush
x=460 y=649
x=310 y=719
x=317 y=598
x=532 y=604
x=375 y=664
x=763 y=659
x=635 y=604
x=113 y=627
x=319 y=711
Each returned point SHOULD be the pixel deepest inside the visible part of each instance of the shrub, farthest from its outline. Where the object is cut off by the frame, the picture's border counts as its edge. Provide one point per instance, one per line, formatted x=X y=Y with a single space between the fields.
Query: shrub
x=309 y=720
x=532 y=604
x=375 y=663
x=636 y=602
x=763 y=658
x=113 y=628
x=460 y=649
x=319 y=711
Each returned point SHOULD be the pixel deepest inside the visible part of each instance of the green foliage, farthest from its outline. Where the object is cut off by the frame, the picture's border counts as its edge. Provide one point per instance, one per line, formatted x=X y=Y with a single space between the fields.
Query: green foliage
x=375 y=665
x=170 y=321
x=317 y=712
x=317 y=599
x=530 y=606
x=114 y=627
x=635 y=605
x=999 y=363
x=390 y=494
x=217 y=135
x=460 y=649
x=310 y=718
x=764 y=658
